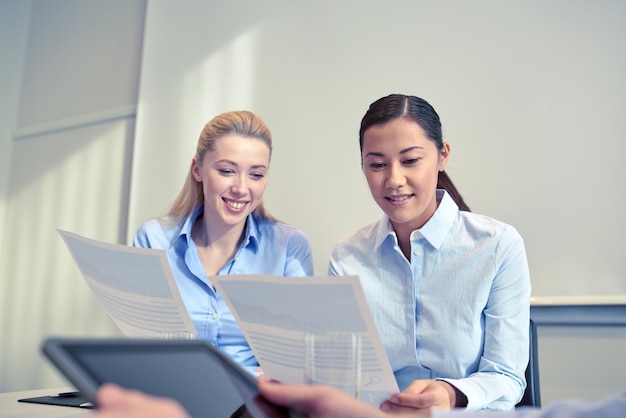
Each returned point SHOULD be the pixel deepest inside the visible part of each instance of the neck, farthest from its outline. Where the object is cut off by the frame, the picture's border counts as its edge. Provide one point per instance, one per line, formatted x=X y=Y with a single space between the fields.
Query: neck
x=404 y=240
x=217 y=235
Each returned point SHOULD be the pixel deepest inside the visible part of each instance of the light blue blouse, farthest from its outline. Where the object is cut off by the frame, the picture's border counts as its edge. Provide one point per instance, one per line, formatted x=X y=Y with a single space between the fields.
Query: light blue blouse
x=458 y=310
x=269 y=247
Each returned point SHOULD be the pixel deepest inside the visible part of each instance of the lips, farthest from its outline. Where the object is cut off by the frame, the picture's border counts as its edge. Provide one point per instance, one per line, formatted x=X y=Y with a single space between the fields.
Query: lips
x=234 y=204
x=399 y=198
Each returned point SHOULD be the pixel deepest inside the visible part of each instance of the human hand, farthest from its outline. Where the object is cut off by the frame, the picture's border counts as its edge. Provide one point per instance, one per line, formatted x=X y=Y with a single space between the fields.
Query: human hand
x=261 y=376
x=317 y=401
x=116 y=402
x=422 y=394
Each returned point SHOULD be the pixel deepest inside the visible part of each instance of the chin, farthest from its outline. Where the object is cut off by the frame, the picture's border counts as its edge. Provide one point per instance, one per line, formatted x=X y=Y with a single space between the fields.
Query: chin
x=404 y=217
x=234 y=219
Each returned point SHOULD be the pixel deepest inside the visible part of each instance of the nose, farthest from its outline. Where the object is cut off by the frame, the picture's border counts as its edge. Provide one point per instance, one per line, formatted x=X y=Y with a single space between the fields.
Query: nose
x=395 y=178
x=239 y=184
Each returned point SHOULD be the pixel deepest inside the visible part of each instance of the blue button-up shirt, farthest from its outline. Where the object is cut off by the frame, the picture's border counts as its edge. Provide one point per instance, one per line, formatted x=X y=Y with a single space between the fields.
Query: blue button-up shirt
x=458 y=310
x=271 y=248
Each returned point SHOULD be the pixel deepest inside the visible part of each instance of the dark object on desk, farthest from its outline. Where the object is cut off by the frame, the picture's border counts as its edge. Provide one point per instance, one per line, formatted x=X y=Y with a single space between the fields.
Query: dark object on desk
x=65 y=399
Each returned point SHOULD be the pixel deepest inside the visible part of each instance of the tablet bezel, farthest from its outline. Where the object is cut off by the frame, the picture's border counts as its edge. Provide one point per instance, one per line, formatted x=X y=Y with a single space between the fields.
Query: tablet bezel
x=61 y=352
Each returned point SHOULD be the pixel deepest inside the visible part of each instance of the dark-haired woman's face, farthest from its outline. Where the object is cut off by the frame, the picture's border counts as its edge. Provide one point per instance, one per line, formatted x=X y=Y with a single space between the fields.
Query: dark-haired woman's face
x=401 y=166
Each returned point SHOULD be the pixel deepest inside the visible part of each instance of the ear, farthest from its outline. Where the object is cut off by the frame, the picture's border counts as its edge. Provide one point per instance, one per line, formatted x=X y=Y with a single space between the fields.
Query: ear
x=444 y=154
x=195 y=170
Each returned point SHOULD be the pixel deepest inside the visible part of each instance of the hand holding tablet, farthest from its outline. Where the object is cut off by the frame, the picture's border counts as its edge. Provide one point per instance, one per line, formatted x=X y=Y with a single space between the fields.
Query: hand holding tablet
x=196 y=374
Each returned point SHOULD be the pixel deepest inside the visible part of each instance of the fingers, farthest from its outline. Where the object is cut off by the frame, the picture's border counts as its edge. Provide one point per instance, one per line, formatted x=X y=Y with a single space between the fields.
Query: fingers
x=418 y=386
x=116 y=402
x=317 y=401
x=421 y=394
x=390 y=408
x=299 y=396
x=427 y=399
x=110 y=394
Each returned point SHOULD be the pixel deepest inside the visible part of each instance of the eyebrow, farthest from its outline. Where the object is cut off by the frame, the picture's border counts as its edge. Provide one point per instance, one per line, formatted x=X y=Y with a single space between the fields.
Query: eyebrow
x=404 y=151
x=256 y=167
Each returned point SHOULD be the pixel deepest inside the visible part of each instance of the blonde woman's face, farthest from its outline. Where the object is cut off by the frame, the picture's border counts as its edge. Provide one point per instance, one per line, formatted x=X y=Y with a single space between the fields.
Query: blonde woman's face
x=234 y=177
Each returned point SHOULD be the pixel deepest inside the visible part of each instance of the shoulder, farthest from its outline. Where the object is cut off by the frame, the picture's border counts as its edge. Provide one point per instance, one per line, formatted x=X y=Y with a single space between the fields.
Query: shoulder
x=475 y=230
x=156 y=233
x=276 y=231
x=482 y=225
x=357 y=252
x=367 y=236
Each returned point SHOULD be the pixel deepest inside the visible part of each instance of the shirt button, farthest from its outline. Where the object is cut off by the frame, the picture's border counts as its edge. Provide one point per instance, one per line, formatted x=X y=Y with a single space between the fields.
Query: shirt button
x=214 y=316
x=416 y=252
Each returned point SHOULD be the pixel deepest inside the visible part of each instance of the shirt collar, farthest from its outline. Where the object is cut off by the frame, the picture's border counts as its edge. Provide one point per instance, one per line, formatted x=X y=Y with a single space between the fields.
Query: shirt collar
x=185 y=230
x=434 y=230
x=437 y=227
x=252 y=233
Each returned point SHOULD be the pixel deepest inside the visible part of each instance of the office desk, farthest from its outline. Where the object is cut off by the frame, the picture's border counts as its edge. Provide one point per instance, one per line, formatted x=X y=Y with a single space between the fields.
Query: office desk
x=11 y=408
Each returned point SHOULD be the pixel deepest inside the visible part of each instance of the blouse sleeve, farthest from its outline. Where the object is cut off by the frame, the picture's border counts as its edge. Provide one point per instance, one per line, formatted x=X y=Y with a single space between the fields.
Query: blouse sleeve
x=299 y=261
x=500 y=382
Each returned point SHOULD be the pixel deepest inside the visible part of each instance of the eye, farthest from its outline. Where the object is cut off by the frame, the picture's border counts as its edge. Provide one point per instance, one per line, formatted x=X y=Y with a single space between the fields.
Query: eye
x=376 y=166
x=225 y=171
x=411 y=161
x=257 y=176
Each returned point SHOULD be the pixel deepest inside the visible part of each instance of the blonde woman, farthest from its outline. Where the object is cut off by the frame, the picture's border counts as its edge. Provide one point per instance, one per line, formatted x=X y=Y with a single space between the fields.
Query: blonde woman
x=218 y=225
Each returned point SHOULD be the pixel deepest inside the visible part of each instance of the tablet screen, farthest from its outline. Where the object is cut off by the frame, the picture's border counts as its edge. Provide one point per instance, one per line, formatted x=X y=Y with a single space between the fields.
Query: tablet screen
x=195 y=373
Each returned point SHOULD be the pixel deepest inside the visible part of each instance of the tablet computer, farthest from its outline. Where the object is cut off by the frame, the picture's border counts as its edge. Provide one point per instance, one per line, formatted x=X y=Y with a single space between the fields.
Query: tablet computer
x=195 y=373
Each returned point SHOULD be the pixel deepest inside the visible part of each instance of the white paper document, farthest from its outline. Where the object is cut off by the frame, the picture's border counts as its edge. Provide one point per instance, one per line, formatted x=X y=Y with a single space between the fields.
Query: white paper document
x=134 y=285
x=274 y=313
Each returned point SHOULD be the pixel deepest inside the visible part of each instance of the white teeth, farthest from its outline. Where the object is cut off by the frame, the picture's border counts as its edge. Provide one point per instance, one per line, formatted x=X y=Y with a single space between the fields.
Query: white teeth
x=398 y=198
x=234 y=205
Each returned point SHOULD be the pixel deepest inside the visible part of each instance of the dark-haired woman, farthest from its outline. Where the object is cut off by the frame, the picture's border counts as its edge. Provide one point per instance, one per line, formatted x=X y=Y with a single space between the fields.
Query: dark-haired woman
x=449 y=289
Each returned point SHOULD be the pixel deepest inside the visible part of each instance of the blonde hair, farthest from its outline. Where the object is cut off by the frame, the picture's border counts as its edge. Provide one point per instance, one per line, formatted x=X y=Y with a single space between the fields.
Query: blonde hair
x=242 y=123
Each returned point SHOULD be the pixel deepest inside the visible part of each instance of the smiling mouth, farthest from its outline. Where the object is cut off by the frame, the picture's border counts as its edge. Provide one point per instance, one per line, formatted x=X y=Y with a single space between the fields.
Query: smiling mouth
x=399 y=198
x=233 y=204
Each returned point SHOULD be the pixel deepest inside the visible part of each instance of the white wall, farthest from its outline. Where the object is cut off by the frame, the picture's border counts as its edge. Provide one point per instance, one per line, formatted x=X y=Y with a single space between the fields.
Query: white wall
x=531 y=95
x=71 y=124
x=14 y=16
x=14 y=23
